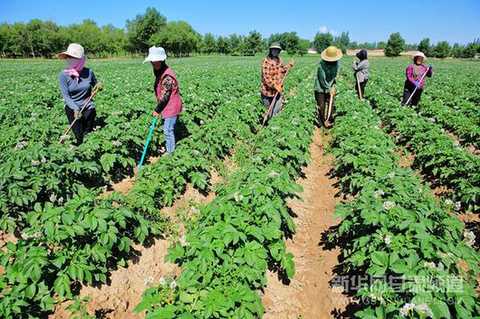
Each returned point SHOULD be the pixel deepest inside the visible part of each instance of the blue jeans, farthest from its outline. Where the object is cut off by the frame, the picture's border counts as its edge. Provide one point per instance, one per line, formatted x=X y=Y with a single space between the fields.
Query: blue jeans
x=168 y=130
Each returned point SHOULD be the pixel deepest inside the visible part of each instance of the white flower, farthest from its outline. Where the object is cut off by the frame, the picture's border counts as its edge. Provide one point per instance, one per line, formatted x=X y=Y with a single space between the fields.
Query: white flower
x=238 y=197
x=424 y=309
x=379 y=193
x=44 y=160
x=173 y=284
x=60 y=200
x=430 y=265
x=202 y=122
x=406 y=309
x=35 y=163
x=183 y=241
x=391 y=175
x=458 y=206
x=53 y=197
x=116 y=143
x=388 y=205
x=387 y=239
x=21 y=145
x=448 y=202
x=469 y=237
x=163 y=281
x=432 y=120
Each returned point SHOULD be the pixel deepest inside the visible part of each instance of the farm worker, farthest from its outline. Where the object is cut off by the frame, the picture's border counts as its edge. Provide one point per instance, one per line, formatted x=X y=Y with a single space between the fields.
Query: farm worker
x=360 y=70
x=325 y=83
x=273 y=74
x=76 y=83
x=415 y=80
x=167 y=92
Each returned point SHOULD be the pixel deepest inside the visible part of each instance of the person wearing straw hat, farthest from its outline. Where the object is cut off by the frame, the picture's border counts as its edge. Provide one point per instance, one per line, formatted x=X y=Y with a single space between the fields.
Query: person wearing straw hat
x=325 y=82
x=167 y=93
x=76 y=84
x=273 y=74
x=415 y=79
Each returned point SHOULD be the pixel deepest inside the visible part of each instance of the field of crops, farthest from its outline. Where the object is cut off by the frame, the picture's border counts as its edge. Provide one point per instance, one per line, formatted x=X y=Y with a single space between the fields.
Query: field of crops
x=407 y=184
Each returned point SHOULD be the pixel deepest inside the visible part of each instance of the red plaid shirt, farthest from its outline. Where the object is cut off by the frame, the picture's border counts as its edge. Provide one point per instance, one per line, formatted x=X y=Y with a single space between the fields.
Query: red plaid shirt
x=273 y=72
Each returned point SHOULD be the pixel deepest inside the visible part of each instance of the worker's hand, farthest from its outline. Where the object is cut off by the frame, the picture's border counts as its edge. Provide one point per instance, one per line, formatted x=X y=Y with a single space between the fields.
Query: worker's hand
x=154 y=113
x=77 y=115
x=417 y=83
x=333 y=91
x=430 y=68
x=278 y=88
x=291 y=63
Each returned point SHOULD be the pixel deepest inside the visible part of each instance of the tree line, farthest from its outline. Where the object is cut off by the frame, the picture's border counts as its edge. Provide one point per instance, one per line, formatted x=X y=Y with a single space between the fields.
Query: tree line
x=39 y=38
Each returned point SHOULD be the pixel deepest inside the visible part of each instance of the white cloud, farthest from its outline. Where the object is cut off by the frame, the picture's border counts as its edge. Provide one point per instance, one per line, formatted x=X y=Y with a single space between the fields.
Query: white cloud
x=325 y=29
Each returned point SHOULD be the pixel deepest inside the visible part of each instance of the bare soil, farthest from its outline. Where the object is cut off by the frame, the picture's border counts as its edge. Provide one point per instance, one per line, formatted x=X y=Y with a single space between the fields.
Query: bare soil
x=309 y=294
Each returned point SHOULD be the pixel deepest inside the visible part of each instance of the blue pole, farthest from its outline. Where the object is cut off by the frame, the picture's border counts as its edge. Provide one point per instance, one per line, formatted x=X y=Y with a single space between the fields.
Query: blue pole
x=149 y=138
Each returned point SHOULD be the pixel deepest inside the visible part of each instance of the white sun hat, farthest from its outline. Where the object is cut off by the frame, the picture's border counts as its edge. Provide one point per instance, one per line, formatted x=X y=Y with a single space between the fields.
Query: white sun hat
x=419 y=54
x=156 y=54
x=74 y=50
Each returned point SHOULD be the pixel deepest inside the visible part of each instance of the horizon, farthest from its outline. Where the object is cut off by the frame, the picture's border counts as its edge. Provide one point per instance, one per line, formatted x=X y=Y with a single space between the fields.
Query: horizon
x=230 y=18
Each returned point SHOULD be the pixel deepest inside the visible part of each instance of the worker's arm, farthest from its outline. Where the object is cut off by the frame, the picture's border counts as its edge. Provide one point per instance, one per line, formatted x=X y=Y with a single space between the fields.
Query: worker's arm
x=430 y=71
x=167 y=85
x=324 y=84
x=409 y=74
x=93 y=82
x=62 y=78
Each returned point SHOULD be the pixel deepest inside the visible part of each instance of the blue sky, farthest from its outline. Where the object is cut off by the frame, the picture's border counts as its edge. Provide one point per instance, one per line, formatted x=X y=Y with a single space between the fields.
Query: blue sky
x=454 y=21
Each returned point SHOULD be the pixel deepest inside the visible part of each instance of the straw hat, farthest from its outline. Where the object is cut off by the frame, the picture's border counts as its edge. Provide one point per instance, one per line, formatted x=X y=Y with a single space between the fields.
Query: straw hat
x=156 y=54
x=331 y=54
x=74 y=50
x=419 y=54
x=275 y=45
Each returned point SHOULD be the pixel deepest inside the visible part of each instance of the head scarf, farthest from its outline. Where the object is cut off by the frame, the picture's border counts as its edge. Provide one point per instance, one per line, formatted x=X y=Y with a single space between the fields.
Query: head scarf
x=75 y=66
x=362 y=55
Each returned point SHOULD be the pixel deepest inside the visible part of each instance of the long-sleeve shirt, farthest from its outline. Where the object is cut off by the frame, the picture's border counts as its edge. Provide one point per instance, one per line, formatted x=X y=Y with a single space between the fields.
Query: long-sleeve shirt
x=415 y=72
x=326 y=75
x=76 y=91
x=273 y=72
x=163 y=92
x=361 y=70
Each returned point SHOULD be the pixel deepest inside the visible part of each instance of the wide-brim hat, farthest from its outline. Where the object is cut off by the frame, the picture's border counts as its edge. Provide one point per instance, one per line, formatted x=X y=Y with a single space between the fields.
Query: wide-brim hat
x=156 y=54
x=419 y=54
x=275 y=45
x=331 y=54
x=74 y=50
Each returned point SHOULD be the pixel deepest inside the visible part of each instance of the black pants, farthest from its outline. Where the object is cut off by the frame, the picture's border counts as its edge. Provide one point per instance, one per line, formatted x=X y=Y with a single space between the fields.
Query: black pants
x=322 y=102
x=83 y=125
x=362 y=87
x=407 y=92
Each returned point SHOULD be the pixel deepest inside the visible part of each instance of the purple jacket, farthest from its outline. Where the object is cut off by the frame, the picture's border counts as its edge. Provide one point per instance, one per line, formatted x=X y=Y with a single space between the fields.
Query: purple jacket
x=415 y=72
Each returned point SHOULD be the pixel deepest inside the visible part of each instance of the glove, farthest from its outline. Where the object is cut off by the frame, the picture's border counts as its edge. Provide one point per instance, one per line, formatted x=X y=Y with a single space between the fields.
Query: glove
x=278 y=88
x=430 y=68
x=417 y=83
x=77 y=115
x=154 y=113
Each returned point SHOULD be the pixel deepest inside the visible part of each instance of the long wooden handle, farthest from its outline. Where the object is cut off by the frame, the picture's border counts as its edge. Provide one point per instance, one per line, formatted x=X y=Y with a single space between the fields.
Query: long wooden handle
x=94 y=92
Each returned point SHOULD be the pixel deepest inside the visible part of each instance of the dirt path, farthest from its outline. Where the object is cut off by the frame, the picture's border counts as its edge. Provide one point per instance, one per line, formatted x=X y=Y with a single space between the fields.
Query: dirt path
x=309 y=294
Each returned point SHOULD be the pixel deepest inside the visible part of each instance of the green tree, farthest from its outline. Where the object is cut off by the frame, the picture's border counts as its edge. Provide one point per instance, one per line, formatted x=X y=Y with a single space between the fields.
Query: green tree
x=322 y=41
x=442 y=50
x=222 y=45
x=342 y=41
x=235 y=44
x=142 y=28
x=177 y=37
x=209 y=44
x=395 y=45
x=425 y=47
x=253 y=43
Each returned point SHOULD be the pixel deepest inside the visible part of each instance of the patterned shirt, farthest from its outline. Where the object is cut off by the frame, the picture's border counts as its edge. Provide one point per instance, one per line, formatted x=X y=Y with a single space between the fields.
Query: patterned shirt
x=273 y=72
x=163 y=92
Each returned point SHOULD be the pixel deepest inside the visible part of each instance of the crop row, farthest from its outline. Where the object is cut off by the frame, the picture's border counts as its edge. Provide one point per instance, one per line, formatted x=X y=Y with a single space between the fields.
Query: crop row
x=241 y=233
x=411 y=257
x=435 y=153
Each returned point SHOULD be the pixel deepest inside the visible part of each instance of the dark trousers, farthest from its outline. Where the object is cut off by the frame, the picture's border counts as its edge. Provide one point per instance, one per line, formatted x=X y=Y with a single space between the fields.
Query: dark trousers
x=407 y=92
x=83 y=125
x=362 y=87
x=322 y=102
